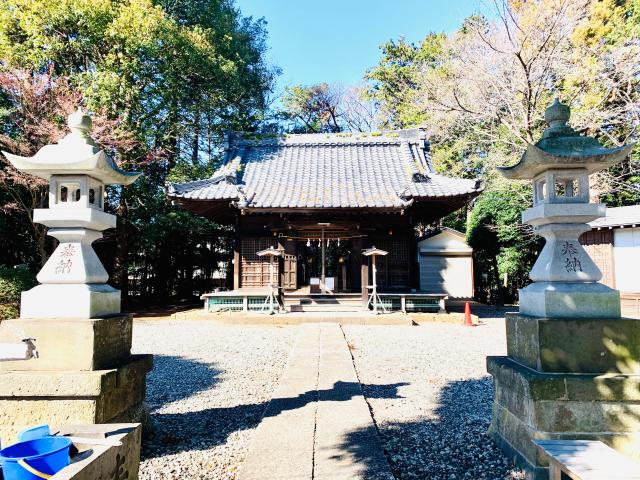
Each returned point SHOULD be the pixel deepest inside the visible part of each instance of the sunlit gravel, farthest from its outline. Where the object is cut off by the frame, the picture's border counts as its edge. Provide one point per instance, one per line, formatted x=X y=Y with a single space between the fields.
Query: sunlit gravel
x=431 y=397
x=427 y=387
x=206 y=394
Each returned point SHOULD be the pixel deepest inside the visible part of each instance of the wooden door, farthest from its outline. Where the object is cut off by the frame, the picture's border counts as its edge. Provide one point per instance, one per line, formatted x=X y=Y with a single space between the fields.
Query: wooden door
x=290 y=268
x=393 y=269
x=255 y=270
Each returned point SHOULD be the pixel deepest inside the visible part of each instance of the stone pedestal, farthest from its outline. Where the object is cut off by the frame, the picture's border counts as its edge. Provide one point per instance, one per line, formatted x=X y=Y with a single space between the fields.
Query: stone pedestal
x=52 y=301
x=569 y=300
x=84 y=373
x=100 y=461
x=566 y=379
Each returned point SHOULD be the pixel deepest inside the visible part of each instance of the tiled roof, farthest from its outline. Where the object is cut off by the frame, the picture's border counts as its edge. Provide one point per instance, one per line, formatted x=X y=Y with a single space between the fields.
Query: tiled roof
x=325 y=171
x=618 y=217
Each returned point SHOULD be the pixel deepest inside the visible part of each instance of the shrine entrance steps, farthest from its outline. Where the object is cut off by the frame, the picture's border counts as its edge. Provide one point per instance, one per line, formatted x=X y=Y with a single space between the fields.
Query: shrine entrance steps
x=316 y=302
x=318 y=424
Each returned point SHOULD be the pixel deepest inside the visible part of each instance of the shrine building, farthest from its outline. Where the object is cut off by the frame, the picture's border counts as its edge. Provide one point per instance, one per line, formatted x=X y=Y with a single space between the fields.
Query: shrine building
x=322 y=200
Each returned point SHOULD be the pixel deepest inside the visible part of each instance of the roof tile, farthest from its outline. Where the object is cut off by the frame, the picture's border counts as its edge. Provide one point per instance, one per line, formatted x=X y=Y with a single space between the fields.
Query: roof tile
x=326 y=171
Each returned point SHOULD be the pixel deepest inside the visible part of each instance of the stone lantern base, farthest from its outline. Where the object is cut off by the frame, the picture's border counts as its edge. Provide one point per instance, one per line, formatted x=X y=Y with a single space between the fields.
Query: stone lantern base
x=566 y=379
x=69 y=300
x=84 y=373
x=569 y=300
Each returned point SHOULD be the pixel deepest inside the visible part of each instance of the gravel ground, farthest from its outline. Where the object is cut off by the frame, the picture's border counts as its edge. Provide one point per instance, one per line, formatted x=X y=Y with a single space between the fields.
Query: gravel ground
x=206 y=394
x=431 y=397
x=427 y=387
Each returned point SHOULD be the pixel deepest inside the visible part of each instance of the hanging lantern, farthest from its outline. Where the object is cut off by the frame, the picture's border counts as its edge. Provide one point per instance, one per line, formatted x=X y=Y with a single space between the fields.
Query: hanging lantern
x=308 y=242
x=338 y=242
x=328 y=241
x=319 y=242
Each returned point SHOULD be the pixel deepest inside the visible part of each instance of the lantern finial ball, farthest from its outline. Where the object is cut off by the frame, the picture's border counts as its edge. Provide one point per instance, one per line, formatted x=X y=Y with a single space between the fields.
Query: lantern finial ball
x=79 y=120
x=557 y=114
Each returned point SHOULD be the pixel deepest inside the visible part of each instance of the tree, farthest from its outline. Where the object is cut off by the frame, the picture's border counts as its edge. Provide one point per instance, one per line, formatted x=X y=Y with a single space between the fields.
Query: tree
x=34 y=116
x=481 y=92
x=503 y=248
x=173 y=74
x=394 y=82
x=328 y=108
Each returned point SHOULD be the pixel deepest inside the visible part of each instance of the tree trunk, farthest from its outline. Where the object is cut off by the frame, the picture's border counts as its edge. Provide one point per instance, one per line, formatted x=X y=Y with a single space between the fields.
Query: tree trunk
x=40 y=234
x=195 y=147
x=499 y=290
x=121 y=262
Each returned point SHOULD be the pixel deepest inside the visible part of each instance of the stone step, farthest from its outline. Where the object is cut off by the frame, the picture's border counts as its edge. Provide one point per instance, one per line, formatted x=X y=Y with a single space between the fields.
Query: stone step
x=326 y=308
x=325 y=300
x=312 y=301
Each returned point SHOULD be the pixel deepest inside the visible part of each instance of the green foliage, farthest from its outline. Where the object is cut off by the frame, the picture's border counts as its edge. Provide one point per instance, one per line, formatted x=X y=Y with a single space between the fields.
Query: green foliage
x=394 y=82
x=13 y=281
x=176 y=74
x=481 y=93
x=501 y=245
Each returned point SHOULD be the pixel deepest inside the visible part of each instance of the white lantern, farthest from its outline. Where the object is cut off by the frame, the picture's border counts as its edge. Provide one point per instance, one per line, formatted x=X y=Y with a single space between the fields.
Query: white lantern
x=73 y=279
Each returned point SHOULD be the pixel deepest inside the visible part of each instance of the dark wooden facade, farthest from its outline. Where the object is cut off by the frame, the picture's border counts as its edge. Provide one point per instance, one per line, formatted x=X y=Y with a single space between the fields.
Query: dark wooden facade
x=393 y=232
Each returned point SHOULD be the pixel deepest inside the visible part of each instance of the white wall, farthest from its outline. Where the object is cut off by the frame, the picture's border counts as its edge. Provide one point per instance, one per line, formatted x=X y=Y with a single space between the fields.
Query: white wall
x=444 y=241
x=626 y=255
x=446 y=265
x=451 y=275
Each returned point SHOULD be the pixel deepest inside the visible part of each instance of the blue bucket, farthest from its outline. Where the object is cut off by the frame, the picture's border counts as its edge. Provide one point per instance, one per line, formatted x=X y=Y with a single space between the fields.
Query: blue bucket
x=35 y=459
x=32 y=433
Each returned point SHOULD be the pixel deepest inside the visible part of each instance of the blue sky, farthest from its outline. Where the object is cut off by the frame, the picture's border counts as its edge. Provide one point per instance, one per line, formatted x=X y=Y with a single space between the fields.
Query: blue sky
x=335 y=41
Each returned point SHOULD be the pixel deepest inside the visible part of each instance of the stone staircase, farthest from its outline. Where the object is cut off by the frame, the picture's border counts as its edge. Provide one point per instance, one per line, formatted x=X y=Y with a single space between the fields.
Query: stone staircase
x=315 y=302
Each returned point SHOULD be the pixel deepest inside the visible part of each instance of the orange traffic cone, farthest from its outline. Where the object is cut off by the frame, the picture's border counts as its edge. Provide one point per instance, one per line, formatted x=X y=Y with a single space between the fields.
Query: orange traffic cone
x=468 y=322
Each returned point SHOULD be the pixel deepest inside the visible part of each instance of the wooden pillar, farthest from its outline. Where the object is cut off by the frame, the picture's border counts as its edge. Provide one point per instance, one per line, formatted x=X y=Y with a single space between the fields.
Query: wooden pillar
x=414 y=265
x=280 y=263
x=354 y=264
x=237 y=259
x=364 y=273
x=237 y=263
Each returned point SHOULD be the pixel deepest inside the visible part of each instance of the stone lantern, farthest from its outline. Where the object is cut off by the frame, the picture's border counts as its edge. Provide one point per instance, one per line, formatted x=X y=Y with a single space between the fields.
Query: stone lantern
x=77 y=171
x=565 y=277
x=83 y=372
x=572 y=365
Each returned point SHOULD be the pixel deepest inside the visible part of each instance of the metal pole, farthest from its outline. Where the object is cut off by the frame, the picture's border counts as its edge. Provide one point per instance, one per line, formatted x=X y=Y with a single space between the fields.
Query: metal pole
x=323 y=259
x=270 y=283
x=375 y=285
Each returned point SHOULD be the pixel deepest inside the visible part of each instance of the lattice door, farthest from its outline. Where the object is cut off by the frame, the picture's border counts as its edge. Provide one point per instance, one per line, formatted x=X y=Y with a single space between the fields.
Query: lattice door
x=255 y=270
x=393 y=269
x=290 y=271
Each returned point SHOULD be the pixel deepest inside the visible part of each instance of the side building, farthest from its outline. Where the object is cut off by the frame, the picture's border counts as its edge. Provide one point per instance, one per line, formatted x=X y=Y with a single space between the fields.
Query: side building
x=614 y=245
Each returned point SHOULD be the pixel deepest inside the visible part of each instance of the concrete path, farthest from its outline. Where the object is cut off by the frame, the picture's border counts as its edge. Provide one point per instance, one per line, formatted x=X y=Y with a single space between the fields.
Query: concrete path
x=318 y=425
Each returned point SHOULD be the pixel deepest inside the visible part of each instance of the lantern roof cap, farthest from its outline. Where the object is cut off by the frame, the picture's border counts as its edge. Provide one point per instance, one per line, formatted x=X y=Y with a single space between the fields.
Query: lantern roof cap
x=75 y=154
x=561 y=147
x=374 y=251
x=271 y=251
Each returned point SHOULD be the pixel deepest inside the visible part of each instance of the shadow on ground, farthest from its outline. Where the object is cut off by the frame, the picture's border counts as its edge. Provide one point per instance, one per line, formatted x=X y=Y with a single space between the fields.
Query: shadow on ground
x=176 y=378
x=450 y=444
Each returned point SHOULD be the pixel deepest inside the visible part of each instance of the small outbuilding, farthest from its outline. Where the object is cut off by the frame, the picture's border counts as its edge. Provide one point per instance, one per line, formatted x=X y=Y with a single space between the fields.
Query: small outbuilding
x=446 y=263
x=614 y=245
